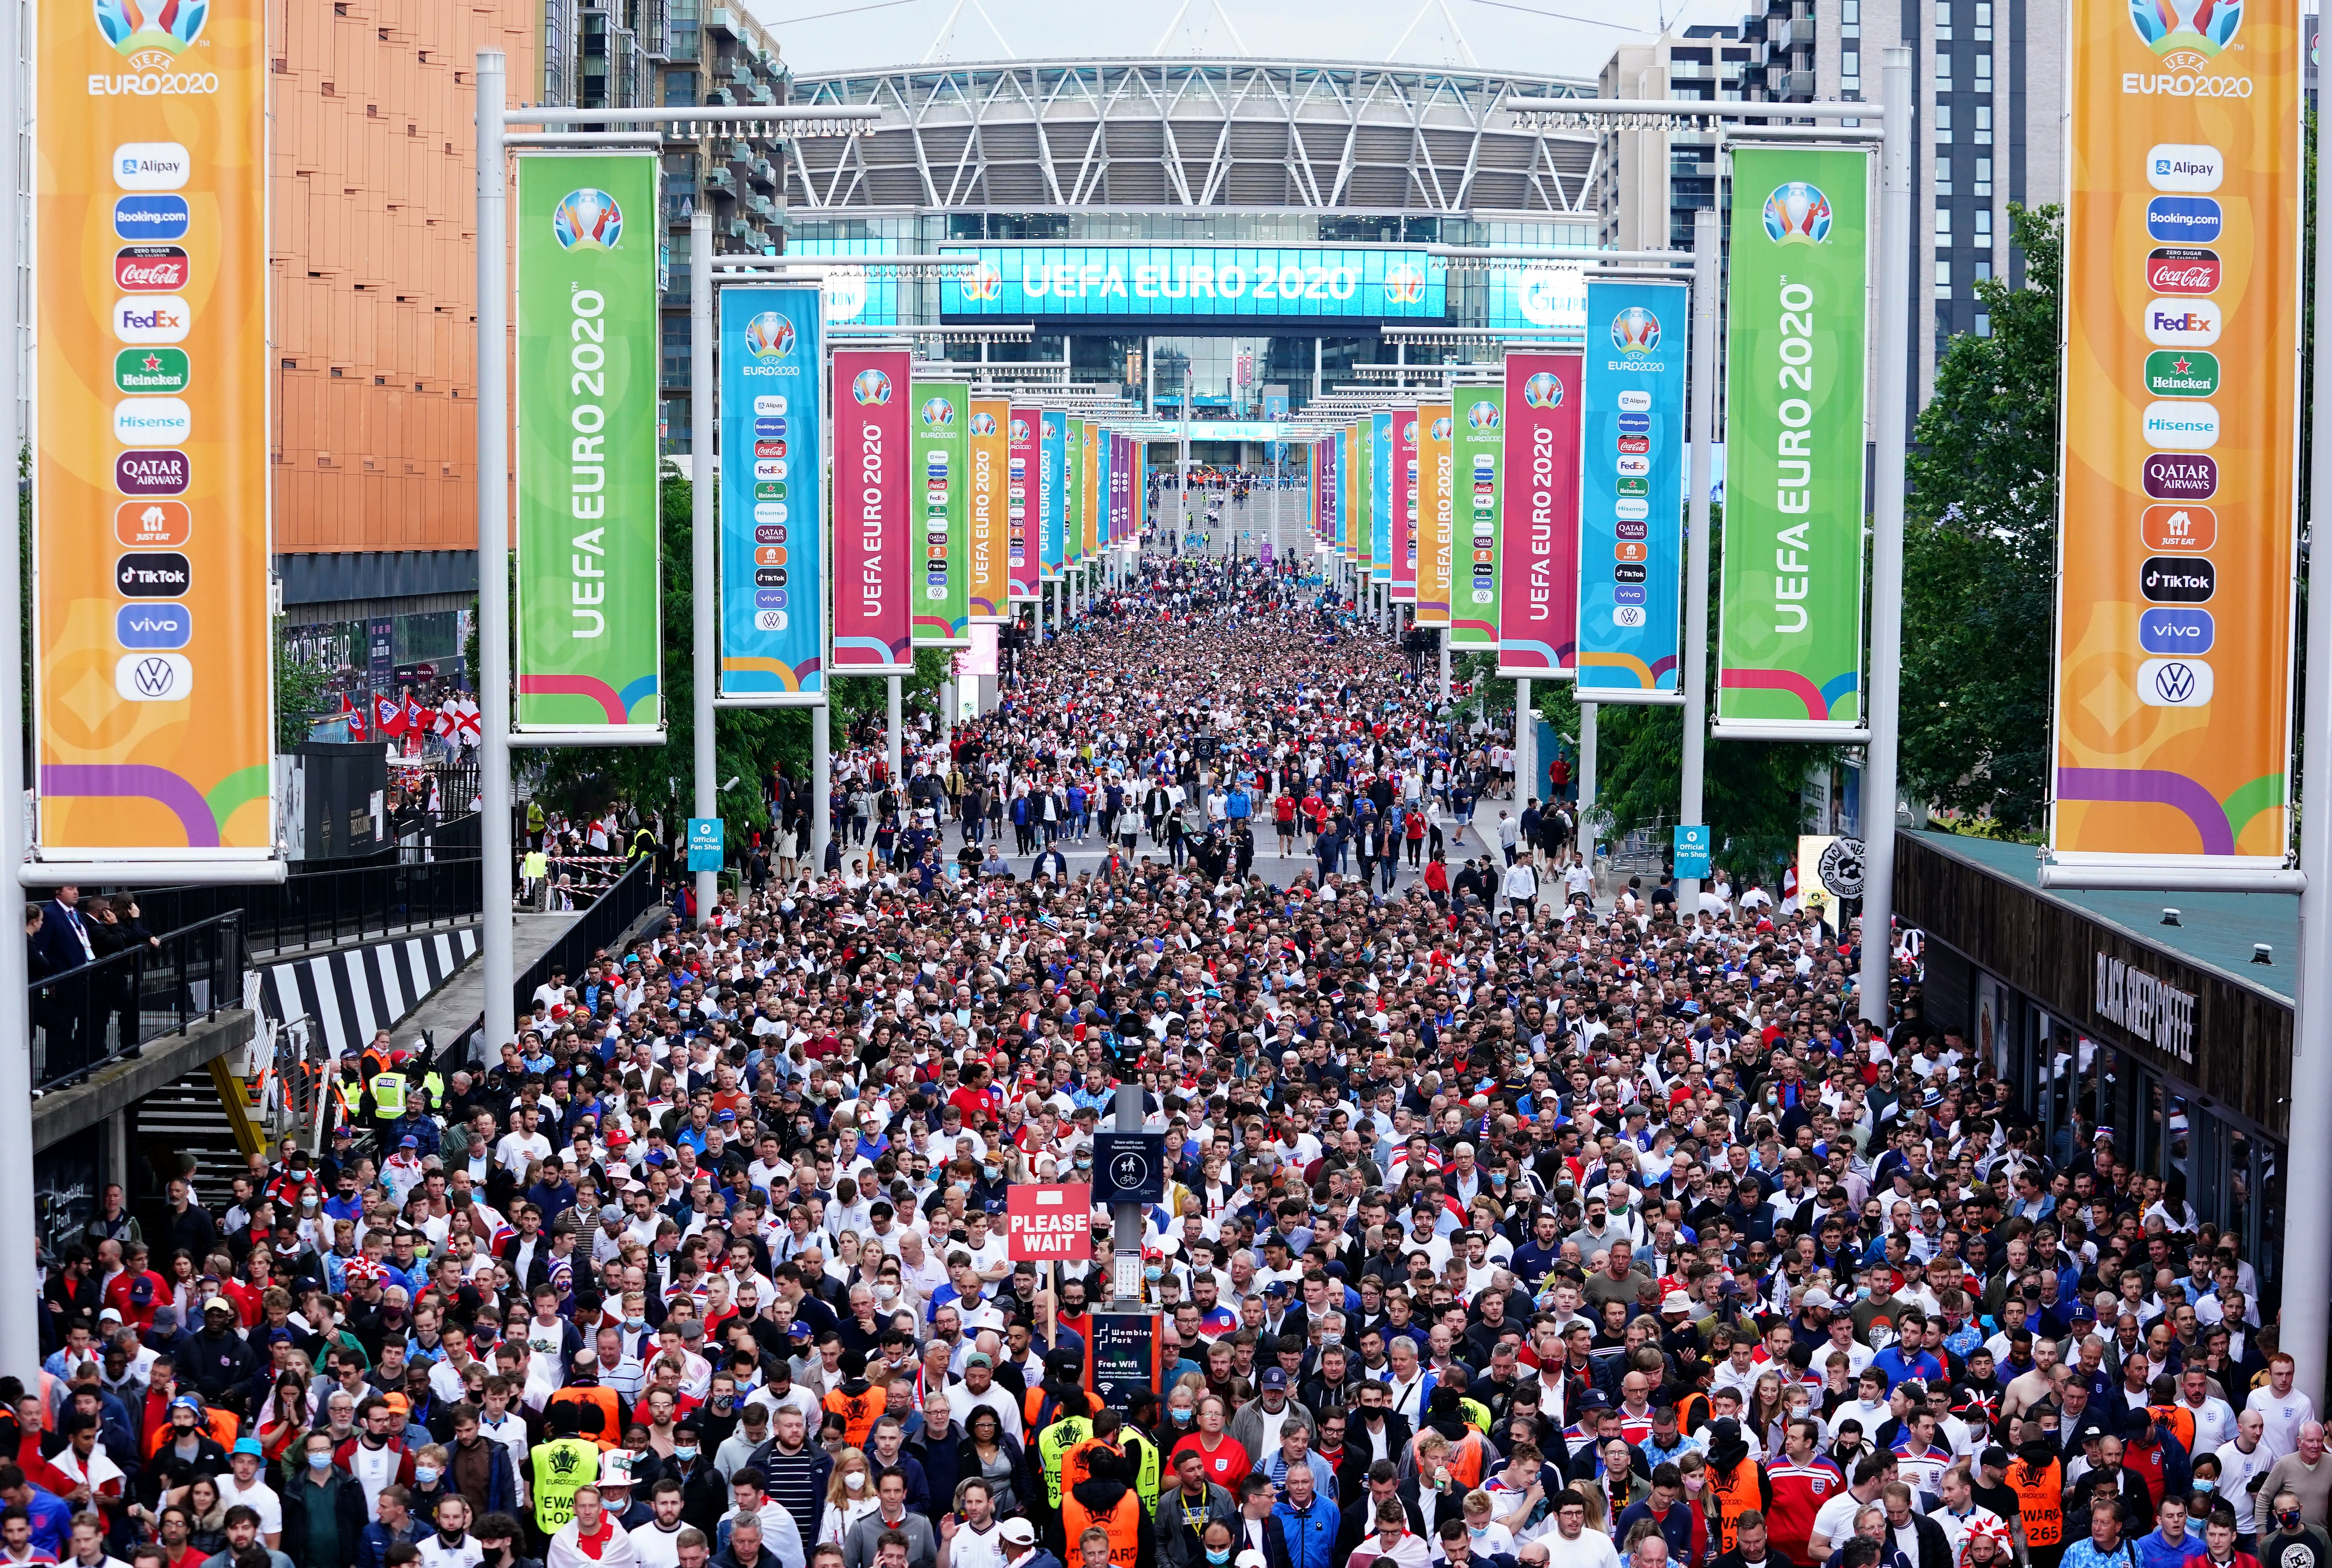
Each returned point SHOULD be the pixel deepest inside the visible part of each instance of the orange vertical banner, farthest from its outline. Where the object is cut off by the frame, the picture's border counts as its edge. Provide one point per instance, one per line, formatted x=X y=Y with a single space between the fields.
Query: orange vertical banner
x=152 y=647
x=2176 y=581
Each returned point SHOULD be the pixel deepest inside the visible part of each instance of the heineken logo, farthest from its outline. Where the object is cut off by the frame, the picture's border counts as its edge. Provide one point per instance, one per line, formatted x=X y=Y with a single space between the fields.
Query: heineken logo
x=2181 y=373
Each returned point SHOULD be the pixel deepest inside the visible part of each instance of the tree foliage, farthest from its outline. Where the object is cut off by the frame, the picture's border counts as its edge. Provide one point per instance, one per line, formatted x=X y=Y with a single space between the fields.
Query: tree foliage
x=1750 y=789
x=748 y=742
x=299 y=693
x=1979 y=551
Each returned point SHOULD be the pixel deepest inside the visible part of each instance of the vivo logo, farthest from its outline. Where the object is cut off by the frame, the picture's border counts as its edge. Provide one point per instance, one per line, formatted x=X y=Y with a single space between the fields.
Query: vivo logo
x=153 y=625
x=2182 y=632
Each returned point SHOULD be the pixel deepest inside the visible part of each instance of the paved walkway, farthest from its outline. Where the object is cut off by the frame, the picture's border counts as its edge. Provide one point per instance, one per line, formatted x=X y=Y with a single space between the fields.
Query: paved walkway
x=456 y=1005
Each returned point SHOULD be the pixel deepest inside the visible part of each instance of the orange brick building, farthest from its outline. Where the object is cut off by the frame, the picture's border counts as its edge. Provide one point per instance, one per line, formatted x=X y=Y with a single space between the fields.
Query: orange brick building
x=373 y=213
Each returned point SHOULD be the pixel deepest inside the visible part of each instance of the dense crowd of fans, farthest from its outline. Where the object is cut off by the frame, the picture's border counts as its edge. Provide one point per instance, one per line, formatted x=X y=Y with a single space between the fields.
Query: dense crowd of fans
x=1524 y=1231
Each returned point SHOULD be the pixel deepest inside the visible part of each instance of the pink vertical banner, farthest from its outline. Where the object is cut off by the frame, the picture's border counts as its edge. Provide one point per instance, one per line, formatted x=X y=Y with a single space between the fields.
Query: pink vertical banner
x=1538 y=557
x=873 y=557
x=1404 y=505
x=1020 y=567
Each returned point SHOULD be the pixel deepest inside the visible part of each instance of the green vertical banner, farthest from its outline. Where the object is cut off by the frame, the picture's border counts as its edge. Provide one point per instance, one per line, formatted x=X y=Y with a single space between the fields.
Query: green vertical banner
x=1790 y=631
x=942 y=613
x=589 y=584
x=1480 y=443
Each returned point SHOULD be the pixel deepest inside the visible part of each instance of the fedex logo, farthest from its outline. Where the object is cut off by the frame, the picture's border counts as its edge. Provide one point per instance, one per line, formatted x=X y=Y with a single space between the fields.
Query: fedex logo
x=157 y=318
x=2182 y=323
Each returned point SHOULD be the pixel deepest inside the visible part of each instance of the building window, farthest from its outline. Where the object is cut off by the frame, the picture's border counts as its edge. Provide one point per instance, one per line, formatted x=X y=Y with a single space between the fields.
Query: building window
x=1942 y=122
x=1984 y=71
x=1983 y=21
x=1943 y=71
x=1943 y=176
x=1983 y=223
x=1943 y=276
x=1943 y=18
x=1983 y=125
x=1984 y=272
x=1983 y=323
x=1942 y=225
x=1983 y=177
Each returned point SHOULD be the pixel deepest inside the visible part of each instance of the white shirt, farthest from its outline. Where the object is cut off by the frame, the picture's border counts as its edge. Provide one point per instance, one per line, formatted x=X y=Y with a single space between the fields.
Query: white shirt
x=657 y=1547
x=2237 y=1470
x=260 y=1499
x=972 y=1549
x=436 y=1554
x=2284 y=1416
x=1592 y=1550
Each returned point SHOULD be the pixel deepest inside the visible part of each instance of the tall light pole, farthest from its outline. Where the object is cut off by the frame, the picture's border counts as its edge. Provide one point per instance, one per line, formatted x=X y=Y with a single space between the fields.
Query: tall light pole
x=20 y=1323
x=1893 y=393
x=495 y=869
x=1695 y=674
x=704 y=519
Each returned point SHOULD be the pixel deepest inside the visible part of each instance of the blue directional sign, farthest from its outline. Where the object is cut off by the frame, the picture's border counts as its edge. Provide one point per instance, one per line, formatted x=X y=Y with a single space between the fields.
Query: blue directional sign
x=1692 y=850
x=704 y=838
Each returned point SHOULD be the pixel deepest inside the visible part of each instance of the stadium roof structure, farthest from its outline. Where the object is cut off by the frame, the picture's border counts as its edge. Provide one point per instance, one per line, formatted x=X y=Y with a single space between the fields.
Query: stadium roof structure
x=1210 y=134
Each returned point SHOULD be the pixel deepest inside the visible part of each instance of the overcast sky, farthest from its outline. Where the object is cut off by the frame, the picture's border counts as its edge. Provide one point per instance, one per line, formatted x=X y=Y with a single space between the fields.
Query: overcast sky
x=1554 y=37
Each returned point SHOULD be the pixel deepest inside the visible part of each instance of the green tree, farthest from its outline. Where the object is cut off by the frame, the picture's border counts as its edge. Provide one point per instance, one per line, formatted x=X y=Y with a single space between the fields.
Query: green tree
x=1979 y=551
x=299 y=693
x=1749 y=788
x=747 y=742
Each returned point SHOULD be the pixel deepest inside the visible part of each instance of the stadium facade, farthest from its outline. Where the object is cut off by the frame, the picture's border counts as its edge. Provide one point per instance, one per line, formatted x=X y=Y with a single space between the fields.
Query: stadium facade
x=1232 y=231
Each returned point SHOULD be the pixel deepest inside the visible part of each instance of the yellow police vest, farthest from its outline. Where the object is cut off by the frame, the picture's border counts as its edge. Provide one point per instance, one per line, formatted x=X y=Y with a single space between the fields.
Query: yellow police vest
x=1053 y=1445
x=562 y=1467
x=388 y=1095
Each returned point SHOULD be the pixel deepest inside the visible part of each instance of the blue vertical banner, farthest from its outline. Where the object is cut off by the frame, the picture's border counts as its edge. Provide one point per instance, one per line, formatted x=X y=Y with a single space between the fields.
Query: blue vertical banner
x=1380 y=497
x=1052 y=455
x=772 y=532
x=1631 y=506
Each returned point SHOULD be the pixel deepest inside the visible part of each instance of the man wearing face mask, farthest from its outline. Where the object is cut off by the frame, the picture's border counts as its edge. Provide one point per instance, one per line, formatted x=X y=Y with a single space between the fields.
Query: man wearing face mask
x=451 y=1544
x=323 y=1510
x=2294 y=1543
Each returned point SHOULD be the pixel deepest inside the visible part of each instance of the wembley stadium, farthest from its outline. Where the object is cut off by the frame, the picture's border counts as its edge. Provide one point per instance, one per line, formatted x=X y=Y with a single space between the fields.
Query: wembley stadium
x=1226 y=237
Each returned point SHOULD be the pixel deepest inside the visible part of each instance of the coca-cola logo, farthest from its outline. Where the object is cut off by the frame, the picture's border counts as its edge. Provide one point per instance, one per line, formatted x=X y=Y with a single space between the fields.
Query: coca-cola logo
x=150 y=268
x=2183 y=269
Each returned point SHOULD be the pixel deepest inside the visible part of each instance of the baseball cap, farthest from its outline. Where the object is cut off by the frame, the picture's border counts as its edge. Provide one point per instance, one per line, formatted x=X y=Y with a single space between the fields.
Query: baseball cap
x=1019 y=1532
x=1275 y=1377
x=219 y=1303
x=408 y=1142
x=141 y=1294
x=1818 y=1297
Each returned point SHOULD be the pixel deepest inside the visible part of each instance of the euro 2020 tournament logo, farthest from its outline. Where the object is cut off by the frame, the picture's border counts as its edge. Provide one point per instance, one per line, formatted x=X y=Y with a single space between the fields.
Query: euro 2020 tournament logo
x=2186 y=34
x=1442 y=428
x=1797 y=213
x=984 y=284
x=1405 y=285
x=587 y=220
x=1019 y=431
x=1482 y=418
x=983 y=425
x=1635 y=331
x=939 y=413
x=769 y=336
x=152 y=33
x=1543 y=390
x=1408 y=433
x=871 y=388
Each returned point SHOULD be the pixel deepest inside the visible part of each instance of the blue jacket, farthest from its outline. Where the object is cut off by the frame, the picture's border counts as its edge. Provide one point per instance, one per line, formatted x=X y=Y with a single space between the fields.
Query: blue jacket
x=1311 y=1532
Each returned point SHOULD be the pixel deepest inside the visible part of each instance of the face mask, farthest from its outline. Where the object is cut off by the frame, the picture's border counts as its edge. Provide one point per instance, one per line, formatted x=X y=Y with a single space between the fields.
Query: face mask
x=320 y=1461
x=1182 y=1417
x=2289 y=1520
x=425 y=1474
x=1218 y=1557
x=2202 y=1485
x=683 y=1454
x=855 y=1480
x=1478 y=1531
x=1154 y=1273
x=1692 y=1485
x=451 y=1538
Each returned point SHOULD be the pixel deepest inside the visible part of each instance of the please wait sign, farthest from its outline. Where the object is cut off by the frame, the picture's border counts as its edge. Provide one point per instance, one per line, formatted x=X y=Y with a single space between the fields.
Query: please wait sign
x=1048 y=1224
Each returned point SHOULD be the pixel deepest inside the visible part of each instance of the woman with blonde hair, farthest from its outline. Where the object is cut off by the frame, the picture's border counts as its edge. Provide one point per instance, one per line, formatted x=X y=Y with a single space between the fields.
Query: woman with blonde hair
x=849 y=1497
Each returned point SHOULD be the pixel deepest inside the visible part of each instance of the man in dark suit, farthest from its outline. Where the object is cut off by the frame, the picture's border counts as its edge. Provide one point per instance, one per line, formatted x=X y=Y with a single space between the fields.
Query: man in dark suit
x=1383 y=1496
x=1256 y=1528
x=64 y=945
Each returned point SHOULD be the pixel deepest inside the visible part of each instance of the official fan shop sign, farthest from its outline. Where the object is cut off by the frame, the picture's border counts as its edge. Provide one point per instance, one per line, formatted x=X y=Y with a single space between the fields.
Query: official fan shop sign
x=2175 y=573
x=152 y=663
x=589 y=524
x=1048 y=1223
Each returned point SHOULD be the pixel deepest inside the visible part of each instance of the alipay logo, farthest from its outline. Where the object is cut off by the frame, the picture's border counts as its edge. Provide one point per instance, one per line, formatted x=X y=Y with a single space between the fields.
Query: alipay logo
x=150 y=165
x=2189 y=168
x=587 y=220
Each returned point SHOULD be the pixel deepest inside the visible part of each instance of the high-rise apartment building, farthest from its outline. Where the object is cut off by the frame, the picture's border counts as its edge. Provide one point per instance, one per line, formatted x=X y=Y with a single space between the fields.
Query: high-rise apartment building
x=1988 y=95
x=1650 y=183
x=372 y=211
